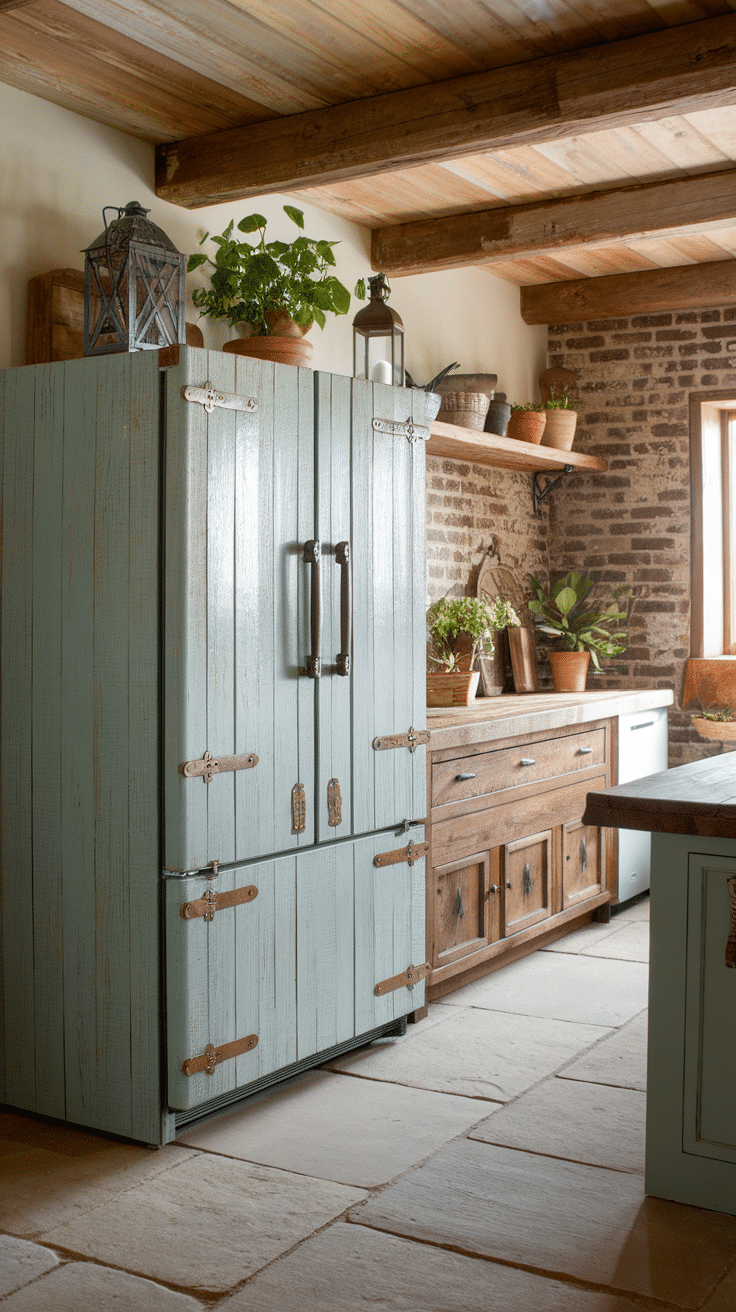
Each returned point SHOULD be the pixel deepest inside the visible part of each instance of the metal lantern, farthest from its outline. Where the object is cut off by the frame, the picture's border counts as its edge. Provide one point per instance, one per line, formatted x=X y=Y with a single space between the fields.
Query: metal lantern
x=378 y=337
x=133 y=286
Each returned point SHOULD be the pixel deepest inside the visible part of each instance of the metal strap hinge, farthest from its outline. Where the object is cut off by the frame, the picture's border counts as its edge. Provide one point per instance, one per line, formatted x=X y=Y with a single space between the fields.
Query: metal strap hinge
x=210 y=902
x=413 y=739
x=406 y=980
x=210 y=397
x=208 y=766
x=411 y=853
x=212 y=1056
x=411 y=431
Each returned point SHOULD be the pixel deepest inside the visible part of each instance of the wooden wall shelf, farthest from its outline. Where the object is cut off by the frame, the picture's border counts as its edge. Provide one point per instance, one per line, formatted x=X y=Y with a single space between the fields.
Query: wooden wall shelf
x=505 y=452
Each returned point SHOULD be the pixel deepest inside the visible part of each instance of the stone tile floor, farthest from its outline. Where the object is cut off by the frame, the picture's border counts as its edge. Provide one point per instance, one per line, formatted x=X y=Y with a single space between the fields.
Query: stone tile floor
x=491 y=1161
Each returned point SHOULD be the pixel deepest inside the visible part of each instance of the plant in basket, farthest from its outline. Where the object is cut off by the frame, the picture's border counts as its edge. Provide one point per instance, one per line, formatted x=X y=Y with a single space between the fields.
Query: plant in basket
x=459 y=630
x=587 y=626
x=717 y=722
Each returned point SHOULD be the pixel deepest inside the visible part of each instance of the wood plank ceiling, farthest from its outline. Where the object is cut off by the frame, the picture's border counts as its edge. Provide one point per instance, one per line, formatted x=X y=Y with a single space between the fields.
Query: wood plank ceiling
x=639 y=133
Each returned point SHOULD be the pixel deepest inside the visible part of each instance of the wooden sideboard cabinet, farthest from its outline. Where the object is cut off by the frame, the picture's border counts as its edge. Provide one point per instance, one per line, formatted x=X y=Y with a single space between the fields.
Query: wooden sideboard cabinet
x=511 y=861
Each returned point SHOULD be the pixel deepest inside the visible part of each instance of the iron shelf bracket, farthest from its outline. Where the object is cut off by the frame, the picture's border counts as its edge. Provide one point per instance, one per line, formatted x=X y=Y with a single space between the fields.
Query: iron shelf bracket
x=539 y=493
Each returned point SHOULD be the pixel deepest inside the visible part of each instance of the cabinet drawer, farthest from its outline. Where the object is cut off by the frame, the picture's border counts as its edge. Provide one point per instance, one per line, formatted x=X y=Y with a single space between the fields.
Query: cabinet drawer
x=508 y=767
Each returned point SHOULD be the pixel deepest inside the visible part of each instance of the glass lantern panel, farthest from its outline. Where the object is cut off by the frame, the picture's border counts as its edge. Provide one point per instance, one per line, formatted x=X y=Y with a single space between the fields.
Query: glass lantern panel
x=155 y=315
x=380 y=358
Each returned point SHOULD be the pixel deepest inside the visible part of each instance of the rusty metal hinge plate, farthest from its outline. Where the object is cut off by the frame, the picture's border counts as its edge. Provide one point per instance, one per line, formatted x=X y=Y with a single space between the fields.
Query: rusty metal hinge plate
x=409 y=854
x=210 y=902
x=298 y=809
x=209 y=766
x=411 y=431
x=213 y=1056
x=210 y=397
x=413 y=739
x=334 y=803
x=407 y=979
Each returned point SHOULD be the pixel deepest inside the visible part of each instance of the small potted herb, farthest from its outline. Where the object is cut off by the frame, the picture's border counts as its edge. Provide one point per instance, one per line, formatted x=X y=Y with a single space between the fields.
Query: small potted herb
x=527 y=422
x=561 y=420
x=460 y=630
x=717 y=722
x=587 y=627
x=272 y=291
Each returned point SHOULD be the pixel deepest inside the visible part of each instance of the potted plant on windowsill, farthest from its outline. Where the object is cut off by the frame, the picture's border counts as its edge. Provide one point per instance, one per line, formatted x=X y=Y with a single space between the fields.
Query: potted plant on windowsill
x=270 y=292
x=561 y=421
x=587 y=627
x=460 y=629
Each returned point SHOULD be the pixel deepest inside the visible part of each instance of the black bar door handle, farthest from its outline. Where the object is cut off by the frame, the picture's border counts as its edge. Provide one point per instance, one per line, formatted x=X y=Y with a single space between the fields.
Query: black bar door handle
x=313 y=556
x=342 y=552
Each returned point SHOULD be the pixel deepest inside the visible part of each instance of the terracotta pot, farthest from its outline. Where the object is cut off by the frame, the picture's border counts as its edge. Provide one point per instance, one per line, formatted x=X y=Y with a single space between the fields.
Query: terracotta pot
x=527 y=425
x=569 y=670
x=281 y=350
x=452 y=689
x=559 y=430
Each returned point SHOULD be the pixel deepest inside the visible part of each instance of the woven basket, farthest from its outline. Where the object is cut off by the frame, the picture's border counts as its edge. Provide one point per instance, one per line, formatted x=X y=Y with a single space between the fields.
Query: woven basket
x=465 y=409
x=723 y=730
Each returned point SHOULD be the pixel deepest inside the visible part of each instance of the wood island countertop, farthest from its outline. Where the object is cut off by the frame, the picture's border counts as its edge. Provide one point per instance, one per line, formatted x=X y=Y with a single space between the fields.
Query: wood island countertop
x=493 y=718
x=698 y=799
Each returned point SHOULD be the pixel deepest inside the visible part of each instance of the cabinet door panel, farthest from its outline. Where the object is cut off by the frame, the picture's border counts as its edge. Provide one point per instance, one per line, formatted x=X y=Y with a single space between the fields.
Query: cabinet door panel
x=325 y=948
x=581 y=862
x=527 y=875
x=466 y=907
x=389 y=930
x=239 y=502
x=229 y=977
x=388 y=679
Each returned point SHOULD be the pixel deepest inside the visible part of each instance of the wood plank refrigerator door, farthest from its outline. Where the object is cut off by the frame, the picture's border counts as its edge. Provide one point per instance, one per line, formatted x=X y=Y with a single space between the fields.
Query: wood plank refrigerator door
x=239 y=502
x=370 y=494
x=230 y=978
x=389 y=928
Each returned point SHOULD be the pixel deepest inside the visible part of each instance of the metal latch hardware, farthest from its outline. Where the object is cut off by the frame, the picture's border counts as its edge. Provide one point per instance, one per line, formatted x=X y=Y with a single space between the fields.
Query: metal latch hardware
x=298 y=809
x=208 y=766
x=412 y=740
x=731 y=944
x=411 y=431
x=411 y=853
x=406 y=980
x=210 y=902
x=209 y=397
x=212 y=1056
x=334 y=803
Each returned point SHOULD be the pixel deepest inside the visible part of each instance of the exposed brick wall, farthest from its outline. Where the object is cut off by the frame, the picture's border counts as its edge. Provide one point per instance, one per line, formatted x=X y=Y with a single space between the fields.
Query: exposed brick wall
x=471 y=508
x=632 y=524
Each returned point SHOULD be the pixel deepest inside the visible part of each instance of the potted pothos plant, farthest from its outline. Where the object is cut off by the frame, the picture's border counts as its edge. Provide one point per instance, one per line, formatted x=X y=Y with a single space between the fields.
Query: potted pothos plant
x=561 y=420
x=269 y=291
x=588 y=627
x=459 y=630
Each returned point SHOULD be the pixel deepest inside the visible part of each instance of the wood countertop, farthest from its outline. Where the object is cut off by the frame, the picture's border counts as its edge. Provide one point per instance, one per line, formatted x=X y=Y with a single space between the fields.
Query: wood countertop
x=699 y=799
x=493 y=718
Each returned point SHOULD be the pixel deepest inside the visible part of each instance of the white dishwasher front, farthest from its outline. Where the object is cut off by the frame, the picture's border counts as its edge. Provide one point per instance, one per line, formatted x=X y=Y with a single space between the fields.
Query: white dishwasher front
x=642 y=750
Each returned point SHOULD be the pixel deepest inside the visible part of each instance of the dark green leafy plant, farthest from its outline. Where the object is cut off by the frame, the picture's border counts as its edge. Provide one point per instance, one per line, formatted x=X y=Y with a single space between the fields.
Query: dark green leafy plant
x=451 y=616
x=261 y=282
x=567 y=610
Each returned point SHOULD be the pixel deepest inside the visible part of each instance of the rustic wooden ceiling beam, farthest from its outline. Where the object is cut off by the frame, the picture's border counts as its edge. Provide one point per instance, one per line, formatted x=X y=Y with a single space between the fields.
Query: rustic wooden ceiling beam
x=622 y=82
x=684 y=287
x=661 y=209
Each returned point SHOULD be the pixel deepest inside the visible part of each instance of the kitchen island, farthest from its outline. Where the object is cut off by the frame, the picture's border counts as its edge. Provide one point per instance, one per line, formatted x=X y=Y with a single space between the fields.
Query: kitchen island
x=691 y=1127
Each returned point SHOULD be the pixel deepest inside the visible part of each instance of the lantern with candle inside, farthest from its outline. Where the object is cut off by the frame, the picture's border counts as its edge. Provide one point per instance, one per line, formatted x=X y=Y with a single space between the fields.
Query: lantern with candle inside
x=133 y=286
x=378 y=337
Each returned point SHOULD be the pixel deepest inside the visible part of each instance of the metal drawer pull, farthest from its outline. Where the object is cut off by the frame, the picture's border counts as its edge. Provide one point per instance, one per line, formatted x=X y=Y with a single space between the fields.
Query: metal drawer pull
x=731 y=944
x=342 y=663
x=467 y=774
x=313 y=556
x=508 y=883
x=527 y=760
x=527 y=879
x=645 y=724
x=584 y=751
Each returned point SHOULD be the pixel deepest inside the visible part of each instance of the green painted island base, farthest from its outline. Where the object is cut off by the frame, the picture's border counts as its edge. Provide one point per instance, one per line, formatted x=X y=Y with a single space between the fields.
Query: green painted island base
x=691 y=1084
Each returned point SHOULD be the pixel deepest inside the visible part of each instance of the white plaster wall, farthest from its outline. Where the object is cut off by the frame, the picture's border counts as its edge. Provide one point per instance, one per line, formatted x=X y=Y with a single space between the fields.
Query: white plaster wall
x=58 y=170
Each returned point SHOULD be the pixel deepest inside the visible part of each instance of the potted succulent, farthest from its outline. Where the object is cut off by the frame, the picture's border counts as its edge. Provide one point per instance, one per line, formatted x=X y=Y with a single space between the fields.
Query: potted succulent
x=271 y=292
x=460 y=630
x=527 y=422
x=718 y=722
x=559 y=429
x=587 y=627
